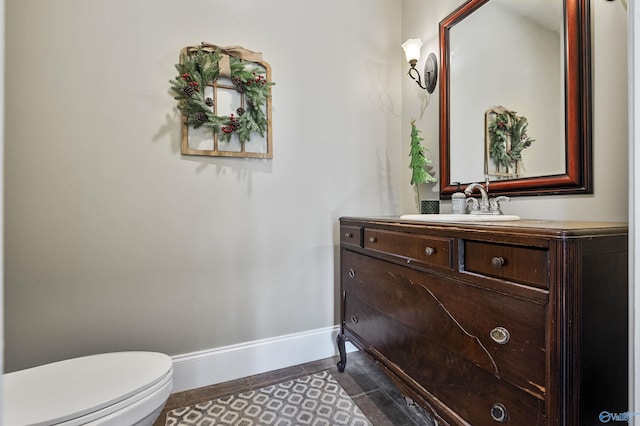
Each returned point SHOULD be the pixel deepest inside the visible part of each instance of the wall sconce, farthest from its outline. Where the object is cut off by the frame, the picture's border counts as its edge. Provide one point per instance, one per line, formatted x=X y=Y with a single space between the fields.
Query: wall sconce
x=411 y=49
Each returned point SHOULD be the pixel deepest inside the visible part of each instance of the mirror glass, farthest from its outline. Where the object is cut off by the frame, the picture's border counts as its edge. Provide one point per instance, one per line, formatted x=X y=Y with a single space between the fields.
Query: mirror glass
x=514 y=96
x=520 y=43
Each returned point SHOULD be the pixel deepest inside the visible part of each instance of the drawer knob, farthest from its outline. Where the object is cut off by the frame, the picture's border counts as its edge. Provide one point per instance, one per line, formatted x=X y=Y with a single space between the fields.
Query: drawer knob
x=354 y=319
x=429 y=251
x=499 y=412
x=373 y=239
x=497 y=262
x=348 y=235
x=500 y=335
x=352 y=273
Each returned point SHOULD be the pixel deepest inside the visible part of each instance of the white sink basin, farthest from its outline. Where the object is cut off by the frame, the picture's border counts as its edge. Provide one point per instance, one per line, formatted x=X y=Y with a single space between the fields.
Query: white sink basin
x=445 y=217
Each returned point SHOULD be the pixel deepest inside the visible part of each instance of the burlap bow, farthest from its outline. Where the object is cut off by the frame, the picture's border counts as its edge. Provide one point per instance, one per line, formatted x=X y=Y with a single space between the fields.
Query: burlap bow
x=239 y=52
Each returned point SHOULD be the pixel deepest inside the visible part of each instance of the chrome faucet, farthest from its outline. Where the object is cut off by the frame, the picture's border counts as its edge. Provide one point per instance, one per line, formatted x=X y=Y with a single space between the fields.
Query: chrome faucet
x=483 y=207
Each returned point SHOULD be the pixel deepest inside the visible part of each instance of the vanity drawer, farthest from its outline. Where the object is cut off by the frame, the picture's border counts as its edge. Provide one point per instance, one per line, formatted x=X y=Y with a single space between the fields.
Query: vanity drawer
x=525 y=265
x=473 y=393
x=351 y=235
x=420 y=248
x=503 y=335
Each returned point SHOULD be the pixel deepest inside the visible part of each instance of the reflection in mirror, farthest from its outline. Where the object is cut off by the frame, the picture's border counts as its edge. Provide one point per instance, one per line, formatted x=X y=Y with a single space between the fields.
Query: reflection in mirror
x=505 y=55
x=506 y=138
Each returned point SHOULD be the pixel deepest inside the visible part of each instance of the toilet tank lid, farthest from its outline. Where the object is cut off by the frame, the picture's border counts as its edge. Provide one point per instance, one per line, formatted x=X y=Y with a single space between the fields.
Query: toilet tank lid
x=62 y=390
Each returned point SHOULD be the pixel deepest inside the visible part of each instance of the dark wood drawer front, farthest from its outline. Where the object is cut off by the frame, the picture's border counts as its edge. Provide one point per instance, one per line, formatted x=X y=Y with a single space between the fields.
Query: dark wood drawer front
x=469 y=390
x=519 y=264
x=505 y=336
x=423 y=249
x=351 y=235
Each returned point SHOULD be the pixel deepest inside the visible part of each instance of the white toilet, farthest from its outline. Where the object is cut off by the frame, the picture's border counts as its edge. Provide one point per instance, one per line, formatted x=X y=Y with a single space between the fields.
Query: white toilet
x=119 y=388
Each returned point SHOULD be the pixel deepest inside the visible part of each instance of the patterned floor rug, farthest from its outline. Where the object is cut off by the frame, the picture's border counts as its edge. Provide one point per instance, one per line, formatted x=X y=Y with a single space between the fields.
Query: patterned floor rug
x=315 y=400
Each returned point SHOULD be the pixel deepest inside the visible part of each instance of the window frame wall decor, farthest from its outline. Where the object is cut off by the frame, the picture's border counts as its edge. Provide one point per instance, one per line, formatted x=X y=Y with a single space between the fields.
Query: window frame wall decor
x=225 y=101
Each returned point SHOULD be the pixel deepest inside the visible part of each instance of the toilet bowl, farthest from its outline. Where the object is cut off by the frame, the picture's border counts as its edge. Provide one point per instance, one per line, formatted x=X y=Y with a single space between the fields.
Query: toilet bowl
x=119 y=388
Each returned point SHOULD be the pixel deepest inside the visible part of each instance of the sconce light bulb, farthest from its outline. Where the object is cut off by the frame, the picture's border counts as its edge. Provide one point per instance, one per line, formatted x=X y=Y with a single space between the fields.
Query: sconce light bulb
x=411 y=49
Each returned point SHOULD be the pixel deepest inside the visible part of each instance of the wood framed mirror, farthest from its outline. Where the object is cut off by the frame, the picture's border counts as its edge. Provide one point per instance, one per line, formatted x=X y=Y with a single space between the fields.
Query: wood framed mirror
x=543 y=76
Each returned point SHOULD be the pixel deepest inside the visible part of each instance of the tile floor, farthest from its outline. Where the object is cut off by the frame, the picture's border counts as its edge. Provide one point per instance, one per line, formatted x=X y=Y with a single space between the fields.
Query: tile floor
x=375 y=394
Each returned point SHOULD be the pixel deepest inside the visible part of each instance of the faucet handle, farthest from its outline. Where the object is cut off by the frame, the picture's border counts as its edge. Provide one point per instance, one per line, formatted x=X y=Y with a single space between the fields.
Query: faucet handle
x=475 y=205
x=495 y=204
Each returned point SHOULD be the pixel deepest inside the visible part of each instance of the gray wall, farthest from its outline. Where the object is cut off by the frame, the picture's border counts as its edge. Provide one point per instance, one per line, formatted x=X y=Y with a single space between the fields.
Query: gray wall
x=114 y=241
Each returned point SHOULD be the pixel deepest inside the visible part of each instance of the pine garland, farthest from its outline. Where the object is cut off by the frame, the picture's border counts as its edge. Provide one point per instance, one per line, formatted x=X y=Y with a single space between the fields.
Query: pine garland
x=199 y=69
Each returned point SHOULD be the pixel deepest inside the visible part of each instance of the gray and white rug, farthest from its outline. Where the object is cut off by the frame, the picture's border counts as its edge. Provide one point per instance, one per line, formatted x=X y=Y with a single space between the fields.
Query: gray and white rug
x=315 y=400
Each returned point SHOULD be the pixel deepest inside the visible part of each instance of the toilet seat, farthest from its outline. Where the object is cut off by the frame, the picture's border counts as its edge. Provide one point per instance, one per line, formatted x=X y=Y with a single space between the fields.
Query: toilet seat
x=87 y=389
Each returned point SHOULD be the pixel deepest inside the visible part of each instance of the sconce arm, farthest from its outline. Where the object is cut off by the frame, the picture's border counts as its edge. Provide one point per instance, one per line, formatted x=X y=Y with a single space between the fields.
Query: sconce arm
x=417 y=73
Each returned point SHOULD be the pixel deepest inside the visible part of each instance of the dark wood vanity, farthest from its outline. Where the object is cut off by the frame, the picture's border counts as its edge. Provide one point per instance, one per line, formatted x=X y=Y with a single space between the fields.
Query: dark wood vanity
x=521 y=323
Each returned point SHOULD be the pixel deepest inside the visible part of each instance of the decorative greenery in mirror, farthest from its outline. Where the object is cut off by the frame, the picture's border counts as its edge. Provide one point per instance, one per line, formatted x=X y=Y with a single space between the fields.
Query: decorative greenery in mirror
x=505 y=140
x=515 y=97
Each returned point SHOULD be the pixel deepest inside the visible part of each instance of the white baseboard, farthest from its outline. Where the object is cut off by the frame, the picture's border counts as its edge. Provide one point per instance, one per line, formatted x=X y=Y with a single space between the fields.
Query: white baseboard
x=204 y=368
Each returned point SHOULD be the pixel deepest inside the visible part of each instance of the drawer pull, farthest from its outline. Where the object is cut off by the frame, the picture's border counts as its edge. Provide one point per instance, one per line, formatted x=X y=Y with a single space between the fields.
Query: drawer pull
x=500 y=335
x=429 y=251
x=497 y=262
x=499 y=412
x=352 y=273
x=348 y=235
x=354 y=319
x=373 y=239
